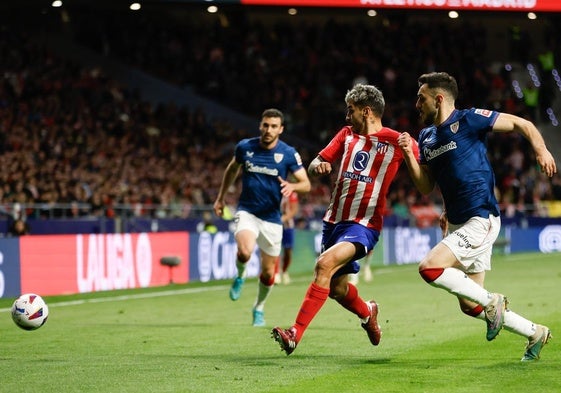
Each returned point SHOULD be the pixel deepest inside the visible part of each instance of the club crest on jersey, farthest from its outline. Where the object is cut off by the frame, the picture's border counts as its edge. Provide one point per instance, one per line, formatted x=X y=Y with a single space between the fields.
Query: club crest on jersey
x=455 y=127
x=278 y=157
x=483 y=112
x=381 y=147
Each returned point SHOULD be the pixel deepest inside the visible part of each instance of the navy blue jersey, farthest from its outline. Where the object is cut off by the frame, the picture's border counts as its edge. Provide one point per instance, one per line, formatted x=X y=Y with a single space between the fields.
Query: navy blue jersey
x=456 y=153
x=261 y=191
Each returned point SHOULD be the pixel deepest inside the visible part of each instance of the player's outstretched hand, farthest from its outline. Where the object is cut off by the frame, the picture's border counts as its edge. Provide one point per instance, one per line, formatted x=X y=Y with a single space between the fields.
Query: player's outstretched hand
x=219 y=208
x=546 y=162
x=286 y=187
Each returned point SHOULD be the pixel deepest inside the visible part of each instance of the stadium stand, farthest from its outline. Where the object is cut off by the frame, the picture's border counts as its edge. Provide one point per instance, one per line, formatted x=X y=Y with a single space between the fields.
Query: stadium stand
x=107 y=113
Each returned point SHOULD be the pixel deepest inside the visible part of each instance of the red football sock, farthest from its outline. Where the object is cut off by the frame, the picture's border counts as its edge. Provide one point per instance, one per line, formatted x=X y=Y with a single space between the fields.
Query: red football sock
x=354 y=303
x=475 y=312
x=313 y=301
x=431 y=274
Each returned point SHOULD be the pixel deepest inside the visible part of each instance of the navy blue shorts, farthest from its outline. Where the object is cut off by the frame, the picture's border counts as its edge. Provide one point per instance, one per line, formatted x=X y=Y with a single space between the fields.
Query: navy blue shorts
x=348 y=231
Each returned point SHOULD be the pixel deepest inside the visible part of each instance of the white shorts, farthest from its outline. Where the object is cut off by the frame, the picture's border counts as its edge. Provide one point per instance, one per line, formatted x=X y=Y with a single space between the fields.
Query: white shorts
x=472 y=242
x=268 y=234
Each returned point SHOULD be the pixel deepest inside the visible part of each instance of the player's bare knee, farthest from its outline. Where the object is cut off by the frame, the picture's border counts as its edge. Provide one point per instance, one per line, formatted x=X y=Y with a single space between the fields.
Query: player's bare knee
x=243 y=256
x=267 y=274
x=267 y=279
x=428 y=263
x=320 y=270
x=324 y=264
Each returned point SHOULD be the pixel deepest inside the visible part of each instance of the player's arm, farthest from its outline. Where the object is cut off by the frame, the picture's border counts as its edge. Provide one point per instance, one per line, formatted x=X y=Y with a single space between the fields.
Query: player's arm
x=302 y=183
x=506 y=122
x=420 y=174
x=230 y=174
x=319 y=167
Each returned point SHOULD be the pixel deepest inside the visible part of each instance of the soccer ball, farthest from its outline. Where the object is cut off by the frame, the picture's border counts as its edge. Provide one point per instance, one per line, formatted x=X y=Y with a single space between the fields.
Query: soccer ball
x=30 y=311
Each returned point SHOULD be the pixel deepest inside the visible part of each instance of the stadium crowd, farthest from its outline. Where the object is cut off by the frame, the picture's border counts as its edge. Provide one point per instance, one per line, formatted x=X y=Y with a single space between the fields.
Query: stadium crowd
x=72 y=135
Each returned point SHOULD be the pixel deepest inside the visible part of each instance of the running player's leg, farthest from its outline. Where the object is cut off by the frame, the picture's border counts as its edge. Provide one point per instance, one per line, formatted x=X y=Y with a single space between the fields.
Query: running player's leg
x=328 y=262
x=537 y=335
x=265 y=285
x=346 y=294
x=245 y=241
x=269 y=242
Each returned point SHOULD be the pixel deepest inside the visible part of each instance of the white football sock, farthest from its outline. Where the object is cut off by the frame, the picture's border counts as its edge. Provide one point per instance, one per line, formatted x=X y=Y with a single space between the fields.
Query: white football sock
x=241 y=268
x=262 y=294
x=517 y=324
x=458 y=283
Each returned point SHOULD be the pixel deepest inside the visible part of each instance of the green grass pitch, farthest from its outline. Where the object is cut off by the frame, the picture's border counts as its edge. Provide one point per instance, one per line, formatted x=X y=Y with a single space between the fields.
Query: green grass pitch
x=192 y=338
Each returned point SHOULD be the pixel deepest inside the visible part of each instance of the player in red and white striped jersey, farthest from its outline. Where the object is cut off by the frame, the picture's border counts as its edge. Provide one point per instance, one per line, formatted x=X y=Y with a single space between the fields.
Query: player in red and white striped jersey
x=369 y=158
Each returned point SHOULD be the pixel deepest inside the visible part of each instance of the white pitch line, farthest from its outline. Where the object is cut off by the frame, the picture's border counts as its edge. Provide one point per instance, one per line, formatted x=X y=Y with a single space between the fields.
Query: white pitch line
x=134 y=296
x=155 y=294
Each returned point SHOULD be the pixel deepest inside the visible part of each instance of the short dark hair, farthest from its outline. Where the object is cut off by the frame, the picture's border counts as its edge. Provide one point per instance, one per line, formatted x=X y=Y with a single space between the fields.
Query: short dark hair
x=366 y=95
x=440 y=80
x=272 y=112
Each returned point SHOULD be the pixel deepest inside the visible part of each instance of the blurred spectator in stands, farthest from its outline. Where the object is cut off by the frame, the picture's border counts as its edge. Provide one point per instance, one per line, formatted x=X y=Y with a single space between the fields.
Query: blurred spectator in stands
x=556 y=187
x=516 y=158
x=207 y=224
x=97 y=208
x=514 y=210
x=495 y=95
x=546 y=62
x=399 y=206
x=70 y=133
x=548 y=85
x=19 y=227
x=425 y=212
x=531 y=100
x=520 y=44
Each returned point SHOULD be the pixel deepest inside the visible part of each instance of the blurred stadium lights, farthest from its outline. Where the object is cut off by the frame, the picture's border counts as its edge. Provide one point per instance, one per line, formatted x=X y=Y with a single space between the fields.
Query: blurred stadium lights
x=533 y=75
x=528 y=6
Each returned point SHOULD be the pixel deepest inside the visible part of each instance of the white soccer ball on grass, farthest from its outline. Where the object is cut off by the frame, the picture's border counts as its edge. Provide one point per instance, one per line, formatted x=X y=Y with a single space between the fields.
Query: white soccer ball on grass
x=30 y=311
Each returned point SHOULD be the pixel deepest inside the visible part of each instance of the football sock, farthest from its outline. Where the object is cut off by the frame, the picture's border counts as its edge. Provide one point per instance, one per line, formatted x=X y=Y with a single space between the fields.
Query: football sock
x=517 y=324
x=313 y=301
x=458 y=283
x=241 y=268
x=477 y=312
x=354 y=303
x=263 y=292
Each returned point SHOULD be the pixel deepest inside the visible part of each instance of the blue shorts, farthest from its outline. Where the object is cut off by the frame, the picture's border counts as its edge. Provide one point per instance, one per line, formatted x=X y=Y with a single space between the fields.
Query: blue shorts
x=348 y=231
x=288 y=238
